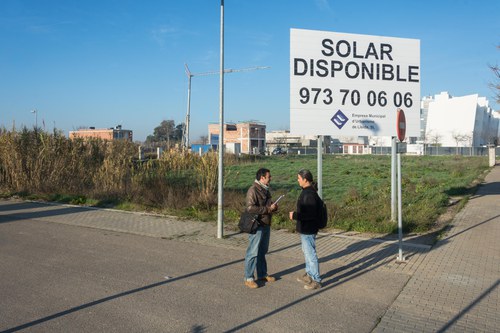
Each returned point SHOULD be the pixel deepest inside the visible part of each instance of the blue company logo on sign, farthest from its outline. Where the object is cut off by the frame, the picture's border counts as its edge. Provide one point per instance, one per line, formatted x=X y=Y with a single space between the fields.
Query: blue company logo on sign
x=339 y=119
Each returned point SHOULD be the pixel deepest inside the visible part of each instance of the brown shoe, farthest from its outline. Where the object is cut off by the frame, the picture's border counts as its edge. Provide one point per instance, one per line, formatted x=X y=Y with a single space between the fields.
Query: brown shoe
x=251 y=284
x=312 y=285
x=304 y=278
x=268 y=278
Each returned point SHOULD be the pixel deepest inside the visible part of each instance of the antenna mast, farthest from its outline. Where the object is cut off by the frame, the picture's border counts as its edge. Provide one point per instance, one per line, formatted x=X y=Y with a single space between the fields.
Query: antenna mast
x=185 y=133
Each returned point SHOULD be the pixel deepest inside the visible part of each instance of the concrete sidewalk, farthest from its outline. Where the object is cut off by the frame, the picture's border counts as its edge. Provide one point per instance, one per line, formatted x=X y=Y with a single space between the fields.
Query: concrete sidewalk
x=456 y=287
x=452 y=287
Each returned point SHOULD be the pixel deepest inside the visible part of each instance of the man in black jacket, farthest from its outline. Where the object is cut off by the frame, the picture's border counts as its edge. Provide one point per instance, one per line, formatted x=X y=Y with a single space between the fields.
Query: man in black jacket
x=307 y=216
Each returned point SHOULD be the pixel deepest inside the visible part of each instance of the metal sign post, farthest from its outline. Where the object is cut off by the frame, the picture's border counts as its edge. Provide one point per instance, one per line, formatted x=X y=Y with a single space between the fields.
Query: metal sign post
x=401 y=131
x=320 y=166
x=400 y=257
x=394 y=209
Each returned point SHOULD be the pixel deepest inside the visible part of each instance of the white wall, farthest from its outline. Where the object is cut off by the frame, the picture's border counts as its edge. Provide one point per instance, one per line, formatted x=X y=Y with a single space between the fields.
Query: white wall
x=451 y=116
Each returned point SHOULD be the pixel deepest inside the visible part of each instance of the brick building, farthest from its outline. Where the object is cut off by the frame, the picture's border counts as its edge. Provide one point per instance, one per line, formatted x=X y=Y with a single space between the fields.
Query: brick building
x=356 y=148
x=251 y=135
x=116 y=133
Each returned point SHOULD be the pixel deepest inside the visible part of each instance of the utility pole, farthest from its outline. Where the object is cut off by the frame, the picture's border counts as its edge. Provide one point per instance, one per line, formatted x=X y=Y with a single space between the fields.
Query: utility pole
x=185 y=134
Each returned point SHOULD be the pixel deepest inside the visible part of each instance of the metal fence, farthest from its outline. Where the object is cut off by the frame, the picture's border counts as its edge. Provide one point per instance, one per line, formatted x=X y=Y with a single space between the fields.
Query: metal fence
x=429 y=151
x=443 y=151
x=464 y=151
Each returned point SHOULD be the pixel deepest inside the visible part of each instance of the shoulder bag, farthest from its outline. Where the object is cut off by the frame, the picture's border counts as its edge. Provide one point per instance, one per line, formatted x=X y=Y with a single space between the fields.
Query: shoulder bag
x=249 y=222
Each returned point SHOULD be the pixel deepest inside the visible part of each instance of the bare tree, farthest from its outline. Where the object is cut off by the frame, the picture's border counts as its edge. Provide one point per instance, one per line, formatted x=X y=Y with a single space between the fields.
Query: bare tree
x=435 y=139
x=375 y=142
x=495 y=86
x=204 y=139
x=468 y=139
x=493 y=140
x=281 y=140
x=424 y=138
x=459 y=138
x=348 y=139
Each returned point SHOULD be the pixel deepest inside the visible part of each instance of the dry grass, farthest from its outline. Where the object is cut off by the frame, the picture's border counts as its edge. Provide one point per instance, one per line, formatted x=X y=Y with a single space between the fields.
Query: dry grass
x=40 y=163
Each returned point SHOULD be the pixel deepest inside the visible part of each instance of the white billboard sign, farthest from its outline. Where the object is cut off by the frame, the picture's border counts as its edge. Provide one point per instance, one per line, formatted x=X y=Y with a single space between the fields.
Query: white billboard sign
x=352 y=85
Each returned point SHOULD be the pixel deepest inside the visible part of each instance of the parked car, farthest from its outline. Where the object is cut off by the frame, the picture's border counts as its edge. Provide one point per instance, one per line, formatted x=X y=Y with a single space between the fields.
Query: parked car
x=279 y=151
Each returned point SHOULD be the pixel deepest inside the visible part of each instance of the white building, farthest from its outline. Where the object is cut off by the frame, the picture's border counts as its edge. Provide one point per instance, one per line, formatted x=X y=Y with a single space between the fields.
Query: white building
x=445 y=121
x=448 y=121
x=284 y=139
x=465 y=121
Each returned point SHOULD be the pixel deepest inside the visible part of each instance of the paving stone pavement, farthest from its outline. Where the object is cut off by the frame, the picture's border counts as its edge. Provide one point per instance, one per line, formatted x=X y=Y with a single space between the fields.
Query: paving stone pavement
x=456 y=287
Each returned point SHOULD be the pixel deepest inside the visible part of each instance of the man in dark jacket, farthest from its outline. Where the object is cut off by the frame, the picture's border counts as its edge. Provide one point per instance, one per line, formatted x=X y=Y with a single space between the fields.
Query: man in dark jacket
x=307 y=217
x=258 y=201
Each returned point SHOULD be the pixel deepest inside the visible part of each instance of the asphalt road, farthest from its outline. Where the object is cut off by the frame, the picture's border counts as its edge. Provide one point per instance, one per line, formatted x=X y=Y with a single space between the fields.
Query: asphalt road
x=63 y=278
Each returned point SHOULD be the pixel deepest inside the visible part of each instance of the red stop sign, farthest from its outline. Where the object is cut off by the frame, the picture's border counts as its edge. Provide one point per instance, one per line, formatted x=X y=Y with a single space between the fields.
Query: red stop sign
x=401 y=125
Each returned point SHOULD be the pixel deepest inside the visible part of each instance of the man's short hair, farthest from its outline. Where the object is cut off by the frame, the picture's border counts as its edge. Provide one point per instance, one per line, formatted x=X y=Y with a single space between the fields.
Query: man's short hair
x=262 y=172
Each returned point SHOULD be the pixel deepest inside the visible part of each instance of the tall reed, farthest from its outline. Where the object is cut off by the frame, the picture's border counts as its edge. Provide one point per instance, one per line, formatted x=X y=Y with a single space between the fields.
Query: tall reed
x=36 y=162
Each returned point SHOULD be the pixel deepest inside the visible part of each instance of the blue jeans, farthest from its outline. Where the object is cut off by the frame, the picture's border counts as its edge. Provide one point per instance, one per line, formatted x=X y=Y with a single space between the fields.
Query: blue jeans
x=258 y=244
x=310 y=256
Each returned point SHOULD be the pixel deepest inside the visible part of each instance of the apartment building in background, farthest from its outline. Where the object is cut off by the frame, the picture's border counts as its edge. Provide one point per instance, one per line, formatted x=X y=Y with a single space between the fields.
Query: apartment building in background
x=466 y=121
x=449 y=121
x=109 y=134
x=248 y=137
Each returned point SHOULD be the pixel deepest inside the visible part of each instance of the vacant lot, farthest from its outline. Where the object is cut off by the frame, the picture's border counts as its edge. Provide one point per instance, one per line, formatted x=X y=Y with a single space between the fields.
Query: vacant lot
x=358 y=188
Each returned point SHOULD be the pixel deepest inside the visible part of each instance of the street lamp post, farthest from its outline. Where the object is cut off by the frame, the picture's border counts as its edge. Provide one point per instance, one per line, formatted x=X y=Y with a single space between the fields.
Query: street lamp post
x=36 y=118
x=220 y=199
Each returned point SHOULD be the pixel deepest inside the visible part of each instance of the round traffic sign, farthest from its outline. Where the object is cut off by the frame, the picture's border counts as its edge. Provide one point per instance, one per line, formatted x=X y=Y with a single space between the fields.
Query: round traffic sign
x=401 y=124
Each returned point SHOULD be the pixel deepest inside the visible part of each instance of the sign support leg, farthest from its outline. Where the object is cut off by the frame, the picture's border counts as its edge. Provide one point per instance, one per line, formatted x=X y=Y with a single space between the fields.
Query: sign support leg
x=320 y=166
x=393 y=179
x=400 y=258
